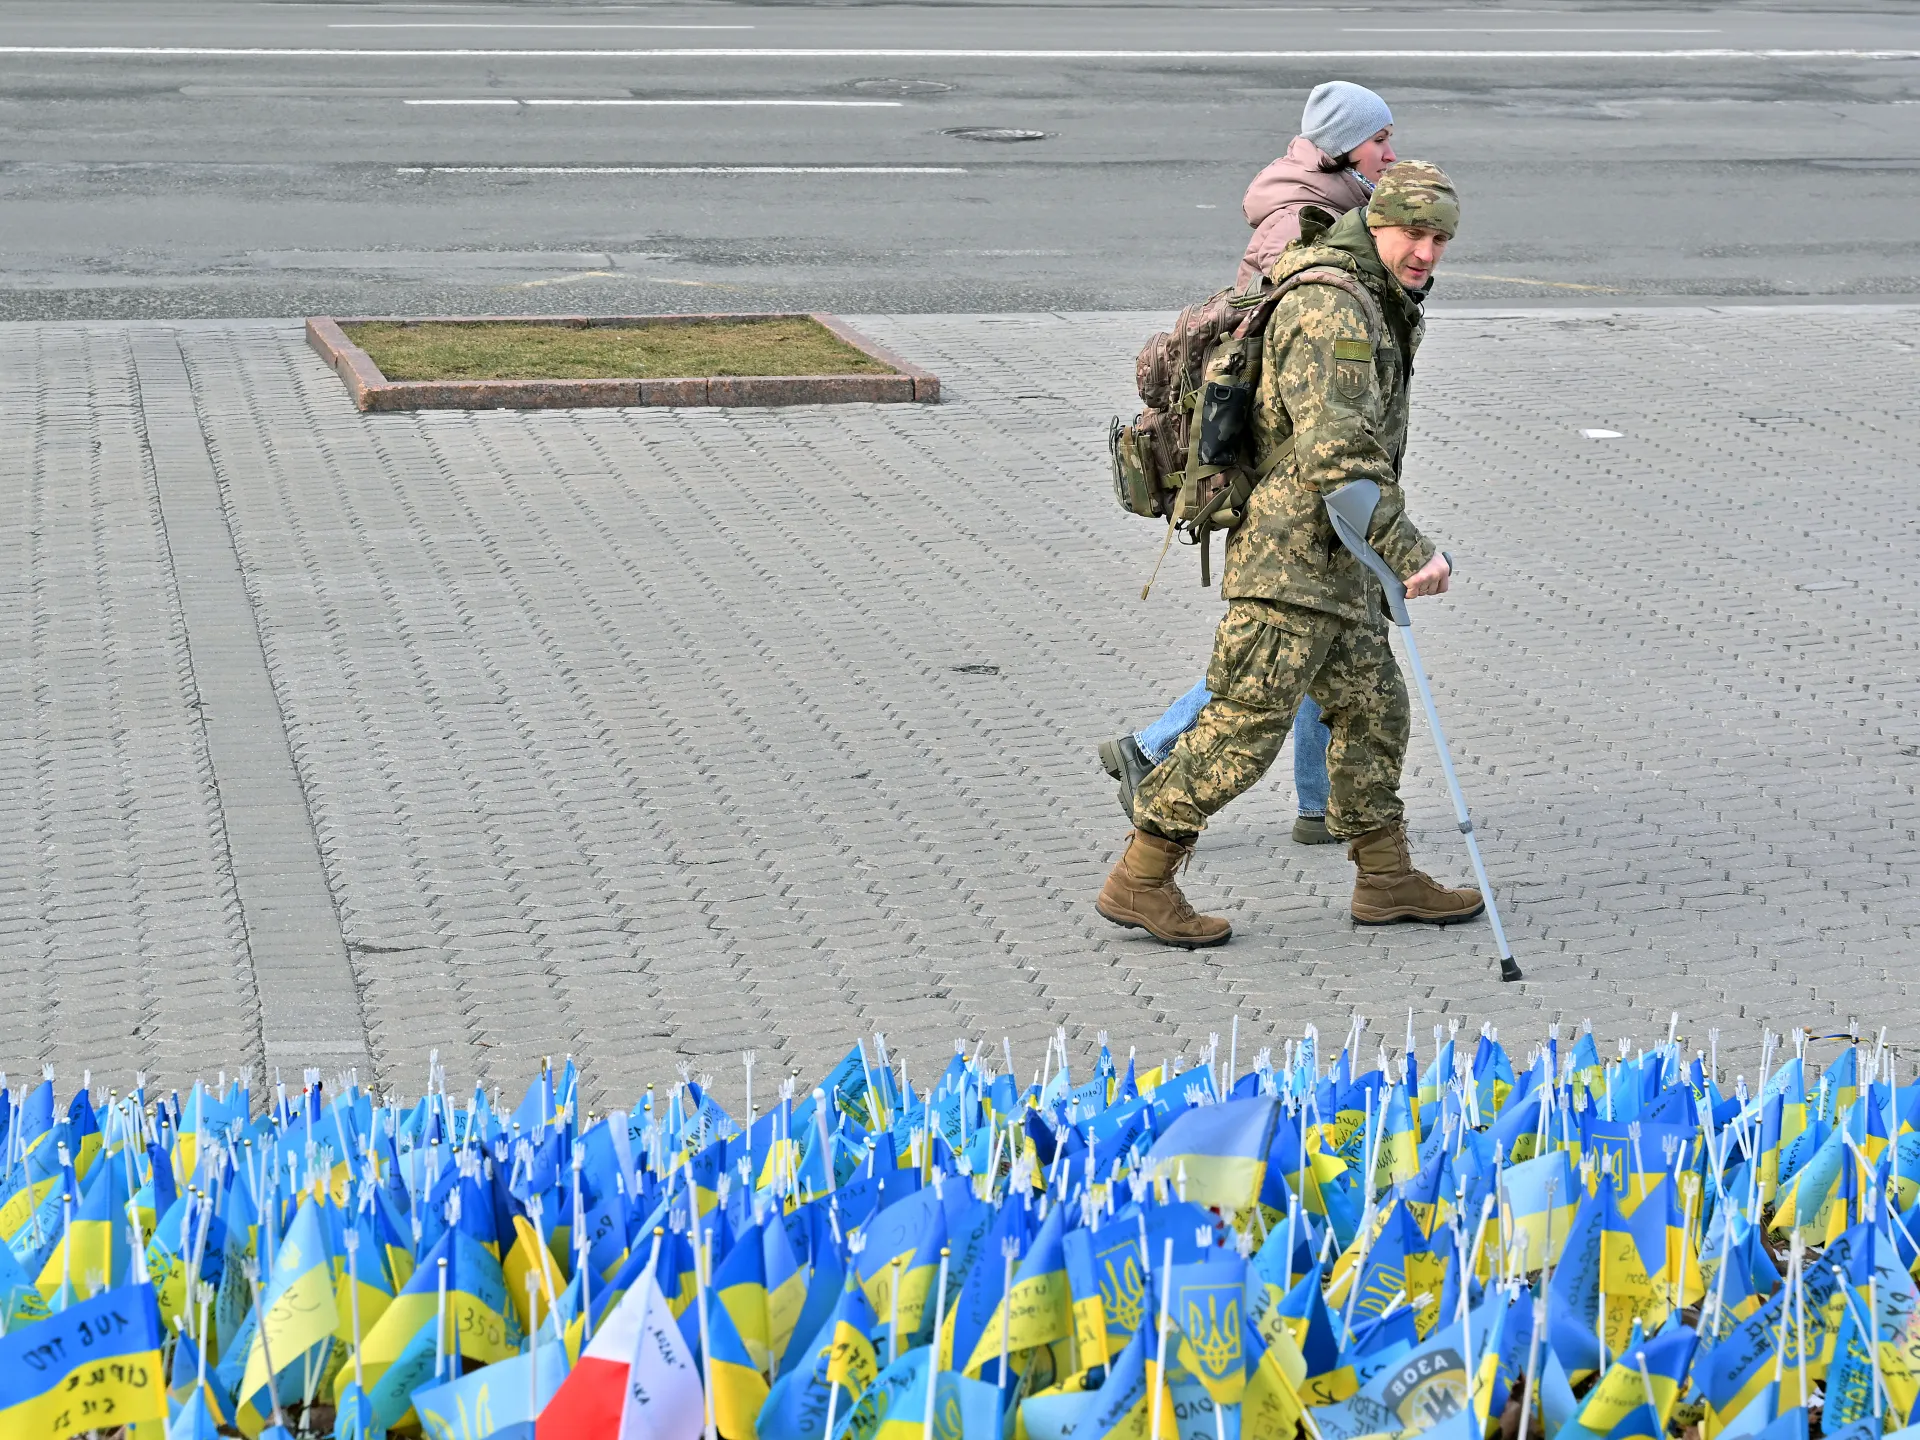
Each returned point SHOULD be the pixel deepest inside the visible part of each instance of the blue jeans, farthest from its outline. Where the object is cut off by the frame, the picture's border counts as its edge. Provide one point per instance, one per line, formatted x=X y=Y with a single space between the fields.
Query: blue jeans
x=1310 y=738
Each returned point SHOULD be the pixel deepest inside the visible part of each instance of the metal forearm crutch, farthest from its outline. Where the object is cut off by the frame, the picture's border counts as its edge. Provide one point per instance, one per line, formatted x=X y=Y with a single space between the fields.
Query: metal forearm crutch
x=1351 y=510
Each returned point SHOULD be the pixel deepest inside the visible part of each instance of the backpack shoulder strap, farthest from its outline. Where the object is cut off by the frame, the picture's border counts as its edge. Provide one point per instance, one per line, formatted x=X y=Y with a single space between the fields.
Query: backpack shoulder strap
x=1322 y=275
x=1282 y=452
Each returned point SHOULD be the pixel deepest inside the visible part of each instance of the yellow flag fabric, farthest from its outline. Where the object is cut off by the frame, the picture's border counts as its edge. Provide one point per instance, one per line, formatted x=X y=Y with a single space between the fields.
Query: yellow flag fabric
x=299 y=1309
x=1271 y=1405
x=101 y=1369
x=528 y=1257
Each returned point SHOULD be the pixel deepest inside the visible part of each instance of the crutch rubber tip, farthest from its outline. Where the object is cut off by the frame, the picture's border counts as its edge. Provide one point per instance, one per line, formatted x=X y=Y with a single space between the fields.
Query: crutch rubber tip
x=1508 y=970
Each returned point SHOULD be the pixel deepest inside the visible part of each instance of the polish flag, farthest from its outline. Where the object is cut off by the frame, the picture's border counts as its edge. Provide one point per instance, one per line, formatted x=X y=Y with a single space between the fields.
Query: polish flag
x=635 y=1380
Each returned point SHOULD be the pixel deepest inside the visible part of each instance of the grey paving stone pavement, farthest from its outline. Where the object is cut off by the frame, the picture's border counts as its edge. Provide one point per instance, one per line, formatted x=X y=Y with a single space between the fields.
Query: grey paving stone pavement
x=654 y=736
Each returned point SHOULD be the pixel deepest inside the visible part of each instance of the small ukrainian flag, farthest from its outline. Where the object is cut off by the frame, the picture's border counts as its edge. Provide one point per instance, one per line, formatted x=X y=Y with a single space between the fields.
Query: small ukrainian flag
x=1223 y=1150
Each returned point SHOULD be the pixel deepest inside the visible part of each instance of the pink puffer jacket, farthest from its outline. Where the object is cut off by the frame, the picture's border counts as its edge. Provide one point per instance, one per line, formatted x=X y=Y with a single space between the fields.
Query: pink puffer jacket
x=1274 y=199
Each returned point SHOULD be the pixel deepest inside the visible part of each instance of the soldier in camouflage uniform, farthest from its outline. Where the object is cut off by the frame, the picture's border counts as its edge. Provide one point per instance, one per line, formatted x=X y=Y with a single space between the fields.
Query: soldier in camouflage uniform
x=1303 y=617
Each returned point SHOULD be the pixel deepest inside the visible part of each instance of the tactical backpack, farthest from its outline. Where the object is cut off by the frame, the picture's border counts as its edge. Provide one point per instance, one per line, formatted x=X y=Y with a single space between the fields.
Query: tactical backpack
x=1188 y=457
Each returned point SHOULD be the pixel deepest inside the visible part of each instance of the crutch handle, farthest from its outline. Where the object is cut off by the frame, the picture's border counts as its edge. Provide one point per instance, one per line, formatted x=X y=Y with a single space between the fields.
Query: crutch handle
x=1351 y=510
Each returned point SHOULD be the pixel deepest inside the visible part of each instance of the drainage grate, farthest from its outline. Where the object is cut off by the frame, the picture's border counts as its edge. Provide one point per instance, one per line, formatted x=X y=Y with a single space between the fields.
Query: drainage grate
x=993 y=133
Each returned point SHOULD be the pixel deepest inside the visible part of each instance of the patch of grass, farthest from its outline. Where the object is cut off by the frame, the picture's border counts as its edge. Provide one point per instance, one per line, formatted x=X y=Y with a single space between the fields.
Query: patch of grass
x=509 y=350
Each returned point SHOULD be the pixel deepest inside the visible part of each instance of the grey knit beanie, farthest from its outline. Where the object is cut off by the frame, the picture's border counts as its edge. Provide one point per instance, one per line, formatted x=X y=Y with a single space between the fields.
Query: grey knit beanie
x=1340 y=114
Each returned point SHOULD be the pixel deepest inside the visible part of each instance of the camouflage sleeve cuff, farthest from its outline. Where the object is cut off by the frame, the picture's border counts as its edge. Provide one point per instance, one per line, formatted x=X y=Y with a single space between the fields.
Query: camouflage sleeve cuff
x=1403 y=547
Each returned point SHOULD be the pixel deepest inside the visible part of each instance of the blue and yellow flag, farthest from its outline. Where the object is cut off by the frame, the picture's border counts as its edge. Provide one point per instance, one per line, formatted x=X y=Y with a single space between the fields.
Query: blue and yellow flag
x=1207 y=1307
x=894 y=1405
x=1807 y=1201
x=1573 y=1294
x=1492 y=1077
x=1736 y=1371
x=786 y=1285
x=1878 y=1299
x=298 y=1305
x=739 y=1387
x=837 y=1354
x=185 y=1382
x=1750 y=1273
x=1222 y=1150
x=1632 y=1259
x=1118 y=1410
x=1436 y=1078
x=1400 y=1262
x=1108 y=1280
x=740 y=1285
x=974 y=1318
x=94 y=1366
x=1541 y=1197
x=35 y=1187
x=494 y=1399
x=193 y=1419
x=1270 y=1275
x=1783 y=1112
x=1039 y=1301
x=481 y=1323
x=1303 y=1313
x=1840 y=1085
x=1425 y=1384
x=526 y=1259
x=93 y=1250
x=911 y=1232
x=1618 y=1407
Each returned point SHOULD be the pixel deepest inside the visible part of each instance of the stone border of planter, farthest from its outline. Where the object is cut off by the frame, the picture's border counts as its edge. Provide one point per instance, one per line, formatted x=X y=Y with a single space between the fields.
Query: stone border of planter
x=371 y=390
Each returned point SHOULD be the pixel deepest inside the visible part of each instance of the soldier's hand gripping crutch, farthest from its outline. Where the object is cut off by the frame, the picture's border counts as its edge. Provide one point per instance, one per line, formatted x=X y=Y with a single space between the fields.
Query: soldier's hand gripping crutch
x=1351 y=510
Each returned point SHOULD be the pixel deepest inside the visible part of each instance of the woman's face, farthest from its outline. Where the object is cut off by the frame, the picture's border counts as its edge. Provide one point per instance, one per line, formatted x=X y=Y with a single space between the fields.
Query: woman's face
x=1372 y=156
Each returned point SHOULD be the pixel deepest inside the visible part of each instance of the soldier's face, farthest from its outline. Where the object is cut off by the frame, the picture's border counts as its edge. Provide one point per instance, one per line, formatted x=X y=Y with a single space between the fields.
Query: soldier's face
x=1410 y=253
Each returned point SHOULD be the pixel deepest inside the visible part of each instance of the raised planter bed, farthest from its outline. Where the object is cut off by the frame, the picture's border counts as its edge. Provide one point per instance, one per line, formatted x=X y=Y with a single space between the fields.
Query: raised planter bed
x=897 y=381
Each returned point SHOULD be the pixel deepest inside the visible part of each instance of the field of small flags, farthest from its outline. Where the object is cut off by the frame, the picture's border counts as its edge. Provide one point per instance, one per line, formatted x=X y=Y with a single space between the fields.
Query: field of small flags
x=1458 y=1244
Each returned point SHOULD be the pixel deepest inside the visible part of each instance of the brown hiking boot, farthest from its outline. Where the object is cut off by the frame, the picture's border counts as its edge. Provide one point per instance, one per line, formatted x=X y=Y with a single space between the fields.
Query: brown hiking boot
x=1141 y=894
x=1389 y=889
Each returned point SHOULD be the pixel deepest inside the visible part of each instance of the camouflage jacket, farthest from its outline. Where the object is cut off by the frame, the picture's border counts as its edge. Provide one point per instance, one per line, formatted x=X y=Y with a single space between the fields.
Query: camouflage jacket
x=1347 y=415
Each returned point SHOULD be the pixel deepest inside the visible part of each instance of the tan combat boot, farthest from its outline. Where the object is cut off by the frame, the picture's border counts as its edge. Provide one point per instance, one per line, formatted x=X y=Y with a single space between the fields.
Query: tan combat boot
x=1141 y=894
x=1389 y=889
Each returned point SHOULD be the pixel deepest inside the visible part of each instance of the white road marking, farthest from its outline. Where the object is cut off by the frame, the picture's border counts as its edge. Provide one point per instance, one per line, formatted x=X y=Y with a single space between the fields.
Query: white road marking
x=489 y=25
x=679 y=170
x=321 y=53
x=839 y=104
x=1488 y=30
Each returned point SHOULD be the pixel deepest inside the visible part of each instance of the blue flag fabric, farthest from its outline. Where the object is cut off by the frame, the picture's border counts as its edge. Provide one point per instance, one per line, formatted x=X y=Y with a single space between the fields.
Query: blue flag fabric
x=492 y=1399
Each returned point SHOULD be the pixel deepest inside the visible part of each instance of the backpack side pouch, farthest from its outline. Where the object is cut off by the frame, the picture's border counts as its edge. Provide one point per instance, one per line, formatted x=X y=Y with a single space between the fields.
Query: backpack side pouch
x=1136 y=477
x=1226 y=401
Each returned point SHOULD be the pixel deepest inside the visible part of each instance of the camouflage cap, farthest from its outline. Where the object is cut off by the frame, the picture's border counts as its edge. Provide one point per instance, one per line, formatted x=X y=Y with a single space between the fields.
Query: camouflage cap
x=1417 y=195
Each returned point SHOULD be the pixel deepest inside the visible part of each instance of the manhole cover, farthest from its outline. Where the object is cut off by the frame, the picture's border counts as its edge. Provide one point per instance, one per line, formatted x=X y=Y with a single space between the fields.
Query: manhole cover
x=900 y=87
x=993 y=133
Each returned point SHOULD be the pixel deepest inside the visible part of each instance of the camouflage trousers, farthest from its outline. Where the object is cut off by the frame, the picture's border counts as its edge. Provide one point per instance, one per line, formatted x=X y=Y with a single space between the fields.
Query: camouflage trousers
x=1266 y=656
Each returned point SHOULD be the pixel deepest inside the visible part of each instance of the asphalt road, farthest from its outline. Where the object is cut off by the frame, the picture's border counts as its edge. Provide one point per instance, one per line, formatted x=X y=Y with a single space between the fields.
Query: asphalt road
x=249 y=159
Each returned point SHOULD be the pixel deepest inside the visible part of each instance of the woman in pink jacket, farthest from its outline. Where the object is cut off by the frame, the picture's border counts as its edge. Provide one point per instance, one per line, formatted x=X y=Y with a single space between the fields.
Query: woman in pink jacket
x=1344 y=145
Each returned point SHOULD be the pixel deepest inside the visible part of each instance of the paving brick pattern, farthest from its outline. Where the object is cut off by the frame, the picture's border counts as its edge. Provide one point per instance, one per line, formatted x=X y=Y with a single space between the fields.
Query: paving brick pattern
x=654 y=736
x=120 y=931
